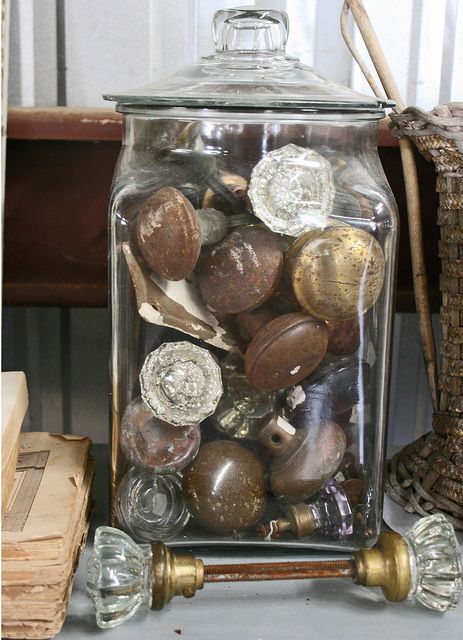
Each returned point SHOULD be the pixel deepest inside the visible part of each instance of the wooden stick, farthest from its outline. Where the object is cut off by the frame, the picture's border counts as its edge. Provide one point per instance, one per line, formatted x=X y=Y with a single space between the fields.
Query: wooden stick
x=420 y=281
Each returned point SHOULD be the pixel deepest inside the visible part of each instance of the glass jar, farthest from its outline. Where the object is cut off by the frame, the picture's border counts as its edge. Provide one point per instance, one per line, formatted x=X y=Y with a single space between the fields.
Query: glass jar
x=253 y=239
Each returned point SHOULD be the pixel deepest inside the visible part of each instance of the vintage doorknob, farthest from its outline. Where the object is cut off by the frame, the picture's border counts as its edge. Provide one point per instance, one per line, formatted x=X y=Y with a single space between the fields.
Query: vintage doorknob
x=292 y=189
x=331 y=514
x=181 y=383
x=424 y=565
x=285 y=351
x=337 y=273
x=170 y=232
x=224 y=487
x=242 y=271
x=302 y=459
x=150 y=506
x=153 y=444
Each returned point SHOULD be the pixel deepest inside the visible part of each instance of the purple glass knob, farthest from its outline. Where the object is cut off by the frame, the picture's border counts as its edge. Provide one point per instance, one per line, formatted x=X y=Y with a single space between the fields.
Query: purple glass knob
x=332 y=511
x=331 y=515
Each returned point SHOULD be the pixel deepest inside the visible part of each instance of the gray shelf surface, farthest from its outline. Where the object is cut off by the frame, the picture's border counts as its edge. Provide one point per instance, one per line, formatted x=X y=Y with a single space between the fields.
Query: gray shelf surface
x=290 y=610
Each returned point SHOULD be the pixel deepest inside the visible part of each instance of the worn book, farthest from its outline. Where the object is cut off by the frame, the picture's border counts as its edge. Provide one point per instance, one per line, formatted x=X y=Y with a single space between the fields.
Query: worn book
x=44 y=529
x=15 y=401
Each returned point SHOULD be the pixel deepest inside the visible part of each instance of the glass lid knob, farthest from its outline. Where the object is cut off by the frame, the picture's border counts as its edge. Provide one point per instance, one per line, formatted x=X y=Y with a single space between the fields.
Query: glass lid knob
x=250 y=30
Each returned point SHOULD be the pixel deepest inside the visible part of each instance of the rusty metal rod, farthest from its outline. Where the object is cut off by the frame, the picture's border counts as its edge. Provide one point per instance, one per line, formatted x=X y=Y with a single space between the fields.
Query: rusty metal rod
x=279 y=571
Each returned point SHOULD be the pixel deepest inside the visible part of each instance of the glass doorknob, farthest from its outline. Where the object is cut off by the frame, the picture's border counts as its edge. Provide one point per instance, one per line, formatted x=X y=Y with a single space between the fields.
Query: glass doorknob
x=425 y=565
x=436 y=567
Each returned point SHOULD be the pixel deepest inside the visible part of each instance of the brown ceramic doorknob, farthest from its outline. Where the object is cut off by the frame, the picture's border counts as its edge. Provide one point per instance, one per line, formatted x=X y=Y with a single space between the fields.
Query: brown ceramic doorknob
x=170 y=232
x=344 y=337
x=224 y=487
x=302 y=458
x=156 y=445
x=242 y=271
x=285 y=351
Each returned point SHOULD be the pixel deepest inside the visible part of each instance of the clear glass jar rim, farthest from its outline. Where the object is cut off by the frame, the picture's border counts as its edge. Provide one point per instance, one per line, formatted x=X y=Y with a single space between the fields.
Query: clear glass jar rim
x=243 y=114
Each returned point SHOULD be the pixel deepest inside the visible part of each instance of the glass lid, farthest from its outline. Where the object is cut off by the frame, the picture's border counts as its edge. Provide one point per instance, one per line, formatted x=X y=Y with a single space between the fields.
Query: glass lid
x=250 y=70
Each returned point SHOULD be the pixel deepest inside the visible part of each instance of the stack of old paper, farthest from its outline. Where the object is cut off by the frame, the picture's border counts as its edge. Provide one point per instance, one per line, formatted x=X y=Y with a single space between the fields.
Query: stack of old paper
x=44 y=529
x=14 y=407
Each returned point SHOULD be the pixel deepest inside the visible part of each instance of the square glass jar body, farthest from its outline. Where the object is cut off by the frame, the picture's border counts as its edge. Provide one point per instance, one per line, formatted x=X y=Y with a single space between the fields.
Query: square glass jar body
x=274 y=433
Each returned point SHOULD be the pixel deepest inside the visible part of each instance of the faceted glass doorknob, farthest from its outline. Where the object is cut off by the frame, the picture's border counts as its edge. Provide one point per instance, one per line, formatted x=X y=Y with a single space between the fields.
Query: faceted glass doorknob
x=331 y=514
x=119 y=576
x=292 y=190
x=436 y=566
x=181 y=383
x=425 y=565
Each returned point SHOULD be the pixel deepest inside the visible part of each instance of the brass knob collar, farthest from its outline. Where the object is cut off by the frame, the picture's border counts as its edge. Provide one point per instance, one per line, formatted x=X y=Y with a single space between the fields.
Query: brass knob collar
x=386 y=566
x=300 y=519
x=173 y=575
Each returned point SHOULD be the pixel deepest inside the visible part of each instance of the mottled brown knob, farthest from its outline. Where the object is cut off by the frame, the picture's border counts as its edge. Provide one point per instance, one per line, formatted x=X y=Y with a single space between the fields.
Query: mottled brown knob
x=302 y=458
x=242 y=271
x=170 y=232
x=154 y=444
x=337 y=273
x=285 y=351
x=224 y=487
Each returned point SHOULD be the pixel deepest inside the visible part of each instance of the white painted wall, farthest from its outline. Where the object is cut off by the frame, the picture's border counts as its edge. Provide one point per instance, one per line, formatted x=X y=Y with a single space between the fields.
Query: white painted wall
x=118 y=44
x=33 y=46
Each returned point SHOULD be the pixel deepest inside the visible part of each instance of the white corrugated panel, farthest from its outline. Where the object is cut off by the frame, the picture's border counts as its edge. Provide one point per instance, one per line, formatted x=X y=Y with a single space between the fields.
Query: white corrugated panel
x=32 y=60
x=392 y=22
x=426 y=54
x=452 y=68
x=114 y=44
x=107 y=47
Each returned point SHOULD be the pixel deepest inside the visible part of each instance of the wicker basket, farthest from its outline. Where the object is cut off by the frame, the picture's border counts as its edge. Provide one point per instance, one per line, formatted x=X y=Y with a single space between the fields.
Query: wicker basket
x=427 y=476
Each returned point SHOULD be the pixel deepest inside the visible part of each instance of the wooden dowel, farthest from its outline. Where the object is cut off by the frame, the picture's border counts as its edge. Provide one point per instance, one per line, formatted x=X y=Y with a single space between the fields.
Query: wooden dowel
x=420 y=282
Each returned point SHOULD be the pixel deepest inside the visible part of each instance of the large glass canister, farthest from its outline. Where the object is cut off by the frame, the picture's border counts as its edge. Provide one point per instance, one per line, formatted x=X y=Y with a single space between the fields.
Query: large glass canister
x=253 y=239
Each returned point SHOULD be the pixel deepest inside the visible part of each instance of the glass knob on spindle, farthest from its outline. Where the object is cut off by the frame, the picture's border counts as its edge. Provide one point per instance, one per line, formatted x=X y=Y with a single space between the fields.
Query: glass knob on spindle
x=119 y=577
x=425 y=565
x=436 y=567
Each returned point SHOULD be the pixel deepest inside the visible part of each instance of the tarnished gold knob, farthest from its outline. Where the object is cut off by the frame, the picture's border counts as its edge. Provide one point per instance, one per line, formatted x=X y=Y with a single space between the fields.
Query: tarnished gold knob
x=337 y=273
